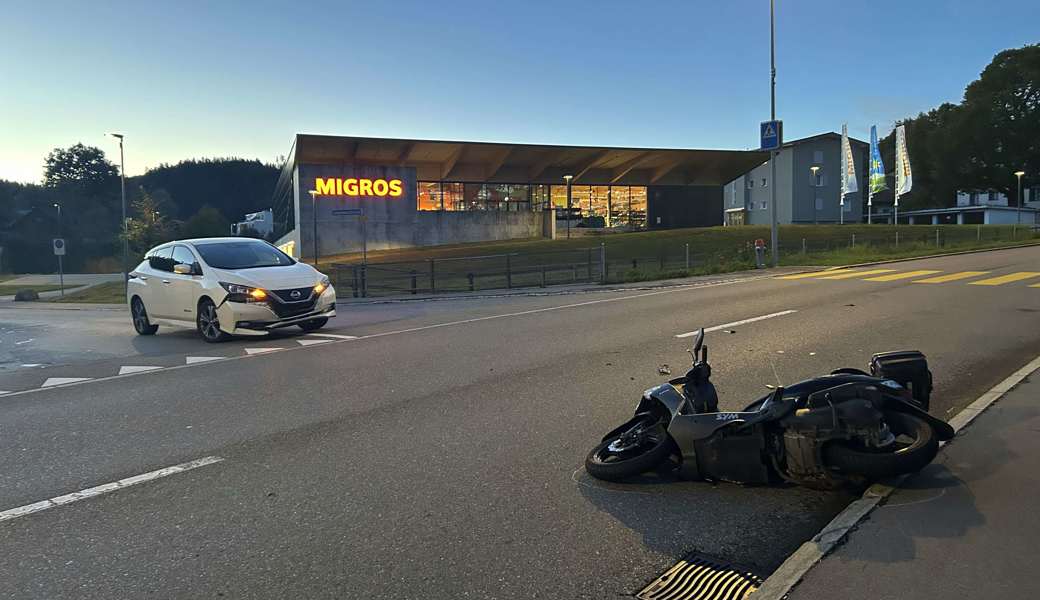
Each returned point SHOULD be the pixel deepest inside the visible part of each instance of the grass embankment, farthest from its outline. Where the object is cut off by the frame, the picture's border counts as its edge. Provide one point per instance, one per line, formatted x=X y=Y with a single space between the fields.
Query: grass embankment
x=651 y=255
x=104 y=293
x=10 y=290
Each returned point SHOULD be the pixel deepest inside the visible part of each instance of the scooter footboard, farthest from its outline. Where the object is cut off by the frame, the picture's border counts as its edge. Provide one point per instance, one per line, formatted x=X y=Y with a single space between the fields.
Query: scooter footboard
x=731 y=453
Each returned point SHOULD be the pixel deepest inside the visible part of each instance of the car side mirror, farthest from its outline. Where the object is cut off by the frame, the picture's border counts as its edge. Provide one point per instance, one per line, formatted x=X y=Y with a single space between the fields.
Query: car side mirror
x=182 y=269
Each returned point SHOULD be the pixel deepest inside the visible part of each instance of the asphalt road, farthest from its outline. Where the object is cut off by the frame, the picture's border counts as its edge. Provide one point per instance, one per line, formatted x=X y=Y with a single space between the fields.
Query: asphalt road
x=439 y=453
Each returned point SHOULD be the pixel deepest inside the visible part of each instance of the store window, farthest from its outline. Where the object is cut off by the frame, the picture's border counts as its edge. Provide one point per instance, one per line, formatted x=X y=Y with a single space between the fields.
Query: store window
x=637 y=207
x=619 y=206
x=429 y=195
x=453 y=196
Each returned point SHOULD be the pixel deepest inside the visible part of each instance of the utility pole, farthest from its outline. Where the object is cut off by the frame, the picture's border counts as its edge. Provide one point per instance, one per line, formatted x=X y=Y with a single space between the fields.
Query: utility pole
x=122 y=193
x=773 y=227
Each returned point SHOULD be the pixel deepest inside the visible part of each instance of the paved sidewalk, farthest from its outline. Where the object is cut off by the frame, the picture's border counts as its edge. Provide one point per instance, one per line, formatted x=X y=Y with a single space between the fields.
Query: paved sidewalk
x=967 y=526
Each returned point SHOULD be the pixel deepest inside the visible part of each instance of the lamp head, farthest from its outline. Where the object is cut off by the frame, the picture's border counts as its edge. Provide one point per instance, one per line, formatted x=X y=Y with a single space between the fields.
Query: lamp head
x=568 y=178
x=118 y=136
x=1019 y=173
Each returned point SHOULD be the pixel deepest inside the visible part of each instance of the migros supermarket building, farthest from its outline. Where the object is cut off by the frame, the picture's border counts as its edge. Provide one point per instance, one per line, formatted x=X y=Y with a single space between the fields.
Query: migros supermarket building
x=398 y=193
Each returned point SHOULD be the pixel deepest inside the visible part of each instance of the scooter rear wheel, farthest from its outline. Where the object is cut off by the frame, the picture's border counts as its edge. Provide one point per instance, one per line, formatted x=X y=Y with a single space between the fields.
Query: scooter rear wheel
x=897 y=459
x=636 y=450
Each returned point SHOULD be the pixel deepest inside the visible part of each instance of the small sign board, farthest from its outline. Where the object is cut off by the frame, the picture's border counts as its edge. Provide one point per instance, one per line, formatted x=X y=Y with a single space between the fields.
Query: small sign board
x=771 y=135
x=349 y=211
x=59 y=246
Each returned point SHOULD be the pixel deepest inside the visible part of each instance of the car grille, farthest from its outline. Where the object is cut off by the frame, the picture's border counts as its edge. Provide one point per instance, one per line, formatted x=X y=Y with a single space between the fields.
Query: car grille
x=285 y=311
x=286 y=295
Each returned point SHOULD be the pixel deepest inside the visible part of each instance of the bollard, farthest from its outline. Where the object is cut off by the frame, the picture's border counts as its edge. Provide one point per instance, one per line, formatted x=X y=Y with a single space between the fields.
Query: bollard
x=603 y=262
x=978 y=233
x=897 y=239
x=433 y=285
x=854 y=240
x=543 y=276
x=687 y=256
x=415 y=282
x=803 y=245
x=936 y=237
x=470 y=277
x=509 y=274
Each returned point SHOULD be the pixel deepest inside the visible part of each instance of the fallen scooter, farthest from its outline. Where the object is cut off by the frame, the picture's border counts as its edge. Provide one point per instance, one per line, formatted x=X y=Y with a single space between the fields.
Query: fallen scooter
x=847 y=427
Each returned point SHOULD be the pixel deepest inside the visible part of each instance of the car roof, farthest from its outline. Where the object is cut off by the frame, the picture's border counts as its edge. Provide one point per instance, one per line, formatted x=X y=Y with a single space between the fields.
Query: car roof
x=193 y=241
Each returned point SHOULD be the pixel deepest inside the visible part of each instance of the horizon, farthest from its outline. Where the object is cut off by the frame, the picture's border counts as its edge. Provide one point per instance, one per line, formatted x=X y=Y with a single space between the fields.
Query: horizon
x=238 y=81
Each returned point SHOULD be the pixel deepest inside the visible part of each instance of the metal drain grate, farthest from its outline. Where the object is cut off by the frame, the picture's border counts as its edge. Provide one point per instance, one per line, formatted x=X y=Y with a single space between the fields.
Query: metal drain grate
x=701 y=578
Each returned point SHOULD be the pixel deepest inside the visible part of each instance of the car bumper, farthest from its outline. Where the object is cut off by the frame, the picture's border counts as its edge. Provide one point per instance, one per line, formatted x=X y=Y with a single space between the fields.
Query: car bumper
x=239 y=318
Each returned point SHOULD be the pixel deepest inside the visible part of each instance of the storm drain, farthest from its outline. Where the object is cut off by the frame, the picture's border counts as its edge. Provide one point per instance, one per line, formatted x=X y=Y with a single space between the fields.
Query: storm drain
x=701 y=578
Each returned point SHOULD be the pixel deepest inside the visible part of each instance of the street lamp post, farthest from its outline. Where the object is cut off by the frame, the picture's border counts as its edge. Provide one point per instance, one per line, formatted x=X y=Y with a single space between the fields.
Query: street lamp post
x=122 y=193
x=568 y=179
x=774 y=228
x=1019 y=174
x=314 y=220
x=813 y=182
x=61 y=267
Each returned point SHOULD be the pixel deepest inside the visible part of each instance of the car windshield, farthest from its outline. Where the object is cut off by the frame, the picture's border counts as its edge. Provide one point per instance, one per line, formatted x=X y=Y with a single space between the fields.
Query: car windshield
x=242 y=255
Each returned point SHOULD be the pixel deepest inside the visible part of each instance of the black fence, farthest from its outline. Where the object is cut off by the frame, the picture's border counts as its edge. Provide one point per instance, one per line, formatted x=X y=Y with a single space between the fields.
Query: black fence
x=618 y=261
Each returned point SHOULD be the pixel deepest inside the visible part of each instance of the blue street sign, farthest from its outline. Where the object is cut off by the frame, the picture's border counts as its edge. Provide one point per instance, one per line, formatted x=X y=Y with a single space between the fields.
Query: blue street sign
x=772 y=135
x=349 y=211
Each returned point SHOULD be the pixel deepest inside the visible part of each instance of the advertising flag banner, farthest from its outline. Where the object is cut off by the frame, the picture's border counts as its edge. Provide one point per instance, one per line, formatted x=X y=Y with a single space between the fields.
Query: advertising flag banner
x=877 y=168
x=904 y=177
x=849 y=185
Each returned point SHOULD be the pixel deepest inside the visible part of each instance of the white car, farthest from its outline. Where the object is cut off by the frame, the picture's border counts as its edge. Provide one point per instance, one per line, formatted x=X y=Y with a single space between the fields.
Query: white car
x=225 y=287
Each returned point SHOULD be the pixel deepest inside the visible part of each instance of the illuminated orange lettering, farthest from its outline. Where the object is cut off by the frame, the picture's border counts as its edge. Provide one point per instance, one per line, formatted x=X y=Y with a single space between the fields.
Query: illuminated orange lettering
x=365 y=187
x=380 y=187
x=339 y=186
x=326 y=187
x=395 y=187
x=350 y=187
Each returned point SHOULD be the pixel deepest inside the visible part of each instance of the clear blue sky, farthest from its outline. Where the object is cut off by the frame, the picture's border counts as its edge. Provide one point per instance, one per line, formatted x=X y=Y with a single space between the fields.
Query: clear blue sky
x=206 y=79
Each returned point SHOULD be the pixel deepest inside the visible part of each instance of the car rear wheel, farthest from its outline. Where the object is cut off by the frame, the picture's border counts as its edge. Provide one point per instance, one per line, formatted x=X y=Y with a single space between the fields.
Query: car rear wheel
x=208 y=323
x=314 y=324
x=140 y=316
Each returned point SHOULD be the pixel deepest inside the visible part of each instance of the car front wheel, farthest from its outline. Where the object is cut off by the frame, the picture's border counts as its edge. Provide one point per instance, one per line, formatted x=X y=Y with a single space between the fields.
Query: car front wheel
x=209 y=324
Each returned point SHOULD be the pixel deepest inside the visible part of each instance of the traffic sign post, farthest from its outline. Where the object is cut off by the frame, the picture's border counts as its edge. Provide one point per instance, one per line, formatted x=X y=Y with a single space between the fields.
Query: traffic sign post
x=771 y=134
x=59 y=250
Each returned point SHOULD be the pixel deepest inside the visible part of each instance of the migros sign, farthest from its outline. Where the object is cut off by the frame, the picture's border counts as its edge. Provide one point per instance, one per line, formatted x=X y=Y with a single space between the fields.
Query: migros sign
x=358 y=186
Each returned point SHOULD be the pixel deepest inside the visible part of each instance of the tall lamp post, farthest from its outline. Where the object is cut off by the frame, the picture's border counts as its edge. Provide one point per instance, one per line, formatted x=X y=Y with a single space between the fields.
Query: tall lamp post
x=1019 y=174
x=122 y=193
x=61 y=269
x=568 y=178
x=314 y=220
x=774 y=228
x=813 y=182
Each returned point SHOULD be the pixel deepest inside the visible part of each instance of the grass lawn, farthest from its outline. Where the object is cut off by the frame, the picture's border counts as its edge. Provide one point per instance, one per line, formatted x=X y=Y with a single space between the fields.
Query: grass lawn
x=649 y=255
x=105 y=293
x=9 y=290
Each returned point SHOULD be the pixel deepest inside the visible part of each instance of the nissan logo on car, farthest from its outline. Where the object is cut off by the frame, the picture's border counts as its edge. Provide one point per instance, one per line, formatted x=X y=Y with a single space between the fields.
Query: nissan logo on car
x=295 y=294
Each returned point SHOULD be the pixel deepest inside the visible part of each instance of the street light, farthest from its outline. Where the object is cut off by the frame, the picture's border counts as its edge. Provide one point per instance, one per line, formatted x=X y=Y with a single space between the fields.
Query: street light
x=314 y=214
x=61 y=269
x=568 y=178
x=1019 y=174
x=122 y=193
x=816 y=216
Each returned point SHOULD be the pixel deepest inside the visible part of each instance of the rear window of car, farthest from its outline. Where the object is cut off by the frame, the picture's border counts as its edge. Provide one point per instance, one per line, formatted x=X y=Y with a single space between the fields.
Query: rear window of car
x=242 y=255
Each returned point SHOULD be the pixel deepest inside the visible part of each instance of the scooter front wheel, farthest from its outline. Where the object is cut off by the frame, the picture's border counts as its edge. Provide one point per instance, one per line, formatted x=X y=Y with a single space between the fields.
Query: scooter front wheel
x=636 y=450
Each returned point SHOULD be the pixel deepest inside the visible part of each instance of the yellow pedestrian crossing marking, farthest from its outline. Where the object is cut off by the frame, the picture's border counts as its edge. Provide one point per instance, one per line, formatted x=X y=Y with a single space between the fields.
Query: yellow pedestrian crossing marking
x=817 y=273
x=952 y=277
x=1006 y=278
x=858 y=274
x=905 y=275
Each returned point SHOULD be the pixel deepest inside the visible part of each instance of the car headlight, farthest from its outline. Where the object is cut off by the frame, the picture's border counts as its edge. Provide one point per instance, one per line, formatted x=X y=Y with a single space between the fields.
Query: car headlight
x=321 y=286
x=244 y=293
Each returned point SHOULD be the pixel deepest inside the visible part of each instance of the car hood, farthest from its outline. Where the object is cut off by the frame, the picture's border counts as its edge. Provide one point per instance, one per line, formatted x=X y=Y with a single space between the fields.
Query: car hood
x=272 y=278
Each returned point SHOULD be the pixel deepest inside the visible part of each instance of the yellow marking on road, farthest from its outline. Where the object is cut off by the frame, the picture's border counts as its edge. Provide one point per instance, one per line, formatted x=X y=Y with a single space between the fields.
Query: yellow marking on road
x=1036 y=285
x=906 y=275
x=952 y=277
x=1010 y=278
x=858 y=274
x=817 y=273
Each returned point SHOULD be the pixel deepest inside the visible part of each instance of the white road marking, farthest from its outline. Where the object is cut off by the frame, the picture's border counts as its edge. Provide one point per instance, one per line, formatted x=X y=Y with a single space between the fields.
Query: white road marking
x=28 y=509
x=261 y=350
x=2 y=392
x=736 y=323
x=141 y=369
x=32 y=365
x=191 y=360
x=52 y=381
x=311 y=342
x=334 y=335
x=24 y=342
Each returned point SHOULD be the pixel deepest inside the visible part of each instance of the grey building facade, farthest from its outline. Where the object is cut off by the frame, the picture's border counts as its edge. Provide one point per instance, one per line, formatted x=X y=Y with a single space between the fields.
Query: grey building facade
x=803 y=197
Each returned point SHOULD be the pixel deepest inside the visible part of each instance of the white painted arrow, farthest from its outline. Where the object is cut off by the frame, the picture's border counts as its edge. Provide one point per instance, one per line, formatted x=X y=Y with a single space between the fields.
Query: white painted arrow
x=261 y=350
x=51 y=381
x=311 y=342
x=334 y=335
x=198 y=359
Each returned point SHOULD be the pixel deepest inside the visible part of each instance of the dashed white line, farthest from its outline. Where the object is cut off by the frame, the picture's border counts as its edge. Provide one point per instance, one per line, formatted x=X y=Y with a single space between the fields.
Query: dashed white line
x=334 y=335
x=133 y=369
x=736 y=323
x=28 y=509
x=261 y=350
x=52 y=381
x=311 y=342
x=191 y=360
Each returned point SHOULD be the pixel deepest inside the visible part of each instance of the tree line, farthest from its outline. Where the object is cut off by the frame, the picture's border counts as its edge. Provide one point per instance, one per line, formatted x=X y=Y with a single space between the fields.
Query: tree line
x=80 y=200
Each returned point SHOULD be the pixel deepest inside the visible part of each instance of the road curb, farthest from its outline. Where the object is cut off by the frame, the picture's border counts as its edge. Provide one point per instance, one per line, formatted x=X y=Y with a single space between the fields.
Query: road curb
x=791 y=572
